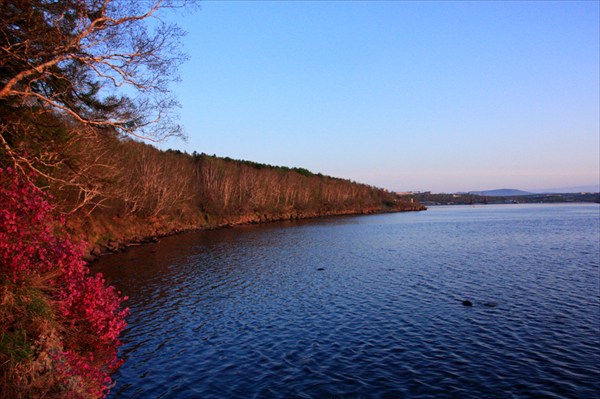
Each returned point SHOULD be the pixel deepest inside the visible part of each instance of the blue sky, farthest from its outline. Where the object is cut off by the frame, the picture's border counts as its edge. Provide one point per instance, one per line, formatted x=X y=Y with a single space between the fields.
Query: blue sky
x=436 y=96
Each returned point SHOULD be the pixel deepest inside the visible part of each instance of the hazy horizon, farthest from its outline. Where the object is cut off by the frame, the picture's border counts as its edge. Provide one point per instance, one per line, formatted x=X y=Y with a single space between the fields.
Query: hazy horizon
x=441 y=97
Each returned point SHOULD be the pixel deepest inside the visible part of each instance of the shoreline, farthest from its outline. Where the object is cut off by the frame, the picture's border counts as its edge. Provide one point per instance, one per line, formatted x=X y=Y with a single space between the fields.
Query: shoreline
x=121 y=244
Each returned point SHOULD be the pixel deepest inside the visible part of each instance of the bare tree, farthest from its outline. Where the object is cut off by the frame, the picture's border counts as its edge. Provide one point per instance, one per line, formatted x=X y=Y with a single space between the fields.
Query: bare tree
x=76 y=68
x=76 y=56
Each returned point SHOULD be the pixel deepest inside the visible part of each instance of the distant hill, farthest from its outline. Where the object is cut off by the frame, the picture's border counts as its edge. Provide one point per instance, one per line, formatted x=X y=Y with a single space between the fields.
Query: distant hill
x=502 y=192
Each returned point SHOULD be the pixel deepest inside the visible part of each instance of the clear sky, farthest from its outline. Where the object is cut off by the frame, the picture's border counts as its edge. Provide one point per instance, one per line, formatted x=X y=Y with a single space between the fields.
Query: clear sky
x=436 y=96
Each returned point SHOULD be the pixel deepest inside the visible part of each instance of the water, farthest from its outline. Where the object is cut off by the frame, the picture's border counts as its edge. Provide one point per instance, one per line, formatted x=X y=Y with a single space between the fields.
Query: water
x=246 y=312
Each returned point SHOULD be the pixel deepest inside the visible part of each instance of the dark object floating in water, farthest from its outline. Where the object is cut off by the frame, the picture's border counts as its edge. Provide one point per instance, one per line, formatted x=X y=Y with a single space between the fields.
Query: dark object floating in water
x=490 y=304
x=467 y=303
x=321 y=268
x=391 y=270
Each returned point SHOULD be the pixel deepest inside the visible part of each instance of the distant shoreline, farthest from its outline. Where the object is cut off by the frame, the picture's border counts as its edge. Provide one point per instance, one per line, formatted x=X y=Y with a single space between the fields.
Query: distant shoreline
x=429 y=199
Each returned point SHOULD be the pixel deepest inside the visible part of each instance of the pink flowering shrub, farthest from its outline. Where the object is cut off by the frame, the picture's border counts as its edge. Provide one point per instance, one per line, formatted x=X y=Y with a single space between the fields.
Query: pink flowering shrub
x=85 y=316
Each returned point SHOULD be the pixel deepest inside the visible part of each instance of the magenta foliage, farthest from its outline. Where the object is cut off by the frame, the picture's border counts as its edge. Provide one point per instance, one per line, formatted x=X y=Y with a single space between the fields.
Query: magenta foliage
x=34 y=242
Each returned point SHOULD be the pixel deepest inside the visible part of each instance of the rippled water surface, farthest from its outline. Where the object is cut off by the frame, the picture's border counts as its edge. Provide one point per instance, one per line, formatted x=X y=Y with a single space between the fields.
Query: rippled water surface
x=369 y=307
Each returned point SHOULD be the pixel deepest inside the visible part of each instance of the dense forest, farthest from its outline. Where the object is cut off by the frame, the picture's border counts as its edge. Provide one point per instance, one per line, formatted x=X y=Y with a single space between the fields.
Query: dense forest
x=118 y=189
x=138 y=191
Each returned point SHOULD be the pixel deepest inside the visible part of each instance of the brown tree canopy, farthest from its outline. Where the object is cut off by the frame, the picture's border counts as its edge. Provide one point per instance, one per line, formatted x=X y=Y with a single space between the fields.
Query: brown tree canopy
x=100 y=63
x=75 y=72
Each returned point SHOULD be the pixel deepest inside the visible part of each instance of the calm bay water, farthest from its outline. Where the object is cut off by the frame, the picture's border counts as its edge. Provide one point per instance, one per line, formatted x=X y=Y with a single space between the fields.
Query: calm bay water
x=247 y=312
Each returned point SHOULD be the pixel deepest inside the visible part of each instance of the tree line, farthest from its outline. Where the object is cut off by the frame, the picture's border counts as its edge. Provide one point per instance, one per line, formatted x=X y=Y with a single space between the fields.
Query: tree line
x=136 y=179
